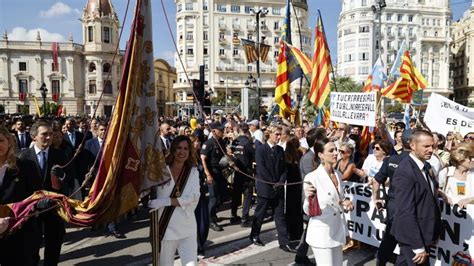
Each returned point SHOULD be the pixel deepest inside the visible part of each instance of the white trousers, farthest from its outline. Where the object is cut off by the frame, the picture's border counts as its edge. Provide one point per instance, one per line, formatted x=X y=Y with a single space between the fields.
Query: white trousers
x=328 y=256
x=187 y=250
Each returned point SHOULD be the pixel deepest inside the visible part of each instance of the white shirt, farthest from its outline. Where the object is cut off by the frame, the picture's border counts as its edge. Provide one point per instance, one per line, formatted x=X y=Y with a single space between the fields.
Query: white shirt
x=258 y=135
x=38 y=155
x=304 y=143
x=371 y=166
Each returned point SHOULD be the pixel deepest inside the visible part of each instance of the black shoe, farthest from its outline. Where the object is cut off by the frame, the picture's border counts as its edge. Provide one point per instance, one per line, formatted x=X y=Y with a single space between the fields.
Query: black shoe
x=256 y=241
x=216 y=227
x=116 y=234
x=235 y=220
x=287 y=248
x=304 y=260
x=246 y=223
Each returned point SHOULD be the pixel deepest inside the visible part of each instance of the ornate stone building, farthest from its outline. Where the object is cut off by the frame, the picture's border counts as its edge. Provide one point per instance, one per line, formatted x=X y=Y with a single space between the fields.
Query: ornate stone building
x=165 y=77
x=83 y=71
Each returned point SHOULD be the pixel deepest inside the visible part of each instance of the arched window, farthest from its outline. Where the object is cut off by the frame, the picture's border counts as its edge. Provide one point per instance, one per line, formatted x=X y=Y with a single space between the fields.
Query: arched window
x=92 y=67
x=106 y=68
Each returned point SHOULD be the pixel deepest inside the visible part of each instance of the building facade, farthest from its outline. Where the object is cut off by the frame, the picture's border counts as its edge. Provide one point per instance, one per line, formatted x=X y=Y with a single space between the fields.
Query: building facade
x=423 y=25
x=209 y=33
x=165 y=77
x=82 y=73
x=462 y=67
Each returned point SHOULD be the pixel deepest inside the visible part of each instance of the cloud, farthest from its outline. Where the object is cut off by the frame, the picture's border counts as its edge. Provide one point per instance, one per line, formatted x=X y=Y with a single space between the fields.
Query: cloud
x=168 y=55
x=58 y=9
x=22 y=34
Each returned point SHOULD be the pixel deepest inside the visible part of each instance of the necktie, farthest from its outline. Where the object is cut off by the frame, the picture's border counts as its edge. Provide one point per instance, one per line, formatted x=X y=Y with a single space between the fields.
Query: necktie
x=43 y=160
x=168 y=143
x=72 y=139
x=426 y=169
x=23 y=141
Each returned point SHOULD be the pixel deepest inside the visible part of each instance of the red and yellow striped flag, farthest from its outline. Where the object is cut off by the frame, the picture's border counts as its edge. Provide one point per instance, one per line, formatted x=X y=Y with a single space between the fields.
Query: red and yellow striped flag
x=303 y=61
x=410 y=81
x=320 y=85
x=282 y=89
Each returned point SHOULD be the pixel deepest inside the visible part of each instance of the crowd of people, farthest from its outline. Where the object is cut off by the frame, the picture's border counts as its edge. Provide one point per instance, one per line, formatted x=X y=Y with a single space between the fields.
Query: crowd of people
x=292 y=173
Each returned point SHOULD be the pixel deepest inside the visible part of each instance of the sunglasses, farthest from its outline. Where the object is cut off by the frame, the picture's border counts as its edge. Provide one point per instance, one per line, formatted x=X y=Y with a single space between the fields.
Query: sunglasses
x=470 y=137
x=344 y=152
x=377 y=148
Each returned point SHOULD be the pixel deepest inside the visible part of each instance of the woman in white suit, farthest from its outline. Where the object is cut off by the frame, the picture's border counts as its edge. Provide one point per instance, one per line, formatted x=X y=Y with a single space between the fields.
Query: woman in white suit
x=327 y=232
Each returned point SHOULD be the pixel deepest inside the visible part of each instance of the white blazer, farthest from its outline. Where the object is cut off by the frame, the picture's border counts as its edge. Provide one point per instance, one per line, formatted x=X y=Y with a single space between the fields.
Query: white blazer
x=329 y=229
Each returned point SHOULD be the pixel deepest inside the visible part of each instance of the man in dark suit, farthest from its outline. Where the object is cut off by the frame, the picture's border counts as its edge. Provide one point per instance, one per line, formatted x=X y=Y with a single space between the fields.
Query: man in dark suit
x=23 y=138
x=417 y=221
x=84 y=129
x=76 y=170
x=42 y=159
x=307 y=165
x=270 y=159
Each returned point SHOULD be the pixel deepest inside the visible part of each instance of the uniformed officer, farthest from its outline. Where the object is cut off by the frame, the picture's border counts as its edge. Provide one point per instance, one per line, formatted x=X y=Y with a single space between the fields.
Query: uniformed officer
x=244 y=154
x=211 y=153
x=386 y=171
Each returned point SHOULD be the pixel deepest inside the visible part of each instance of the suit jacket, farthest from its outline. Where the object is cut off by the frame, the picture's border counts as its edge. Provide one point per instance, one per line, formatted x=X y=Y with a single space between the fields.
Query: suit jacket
x=417 y=221
x=15 y=187
x=28 y=140
x=307 y=163
x=271 y=167
x=327 y=230
x=77 y=141
x=32 y=169
x=91 y=150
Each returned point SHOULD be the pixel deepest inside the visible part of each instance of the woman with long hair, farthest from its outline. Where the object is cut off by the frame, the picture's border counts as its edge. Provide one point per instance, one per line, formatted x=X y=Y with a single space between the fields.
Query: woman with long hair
x=18 y=248
x=374 y=161
x=327 y=231
x=176 y=202
x=294 y=214
x=346 y=165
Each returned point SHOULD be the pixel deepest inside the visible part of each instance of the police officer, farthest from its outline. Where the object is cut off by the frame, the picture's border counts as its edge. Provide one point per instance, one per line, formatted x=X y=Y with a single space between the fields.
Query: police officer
x=211 y=153
x=386 y=171
x=244 y=154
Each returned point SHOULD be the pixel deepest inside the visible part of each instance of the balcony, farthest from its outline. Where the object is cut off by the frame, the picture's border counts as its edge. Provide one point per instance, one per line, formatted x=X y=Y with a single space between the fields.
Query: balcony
x=250 y=27
x=222 y=26
x=236 y=41
x=263 y=28
x=390 y=35
x=277 y=30
x=222 y=41
x=236 y=27
x=236 y=56
x=222 y=55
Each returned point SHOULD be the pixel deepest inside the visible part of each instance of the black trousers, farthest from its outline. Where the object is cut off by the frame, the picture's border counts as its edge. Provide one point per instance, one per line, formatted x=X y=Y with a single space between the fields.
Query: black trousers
x=241 y=185
x=278 y=217
x=406 y=256
x=20 y=247
x=53 y=231
x=217 y=192
x=388 y=243
x=302 y=250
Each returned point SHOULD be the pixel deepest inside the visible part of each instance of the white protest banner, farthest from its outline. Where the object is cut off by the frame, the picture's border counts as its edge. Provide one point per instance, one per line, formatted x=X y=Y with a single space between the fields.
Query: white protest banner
x=354 y=108
x=456 y=244
x=443 y=115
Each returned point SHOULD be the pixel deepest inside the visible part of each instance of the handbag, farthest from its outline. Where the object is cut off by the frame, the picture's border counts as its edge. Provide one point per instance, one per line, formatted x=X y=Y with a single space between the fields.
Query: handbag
x=314 y=208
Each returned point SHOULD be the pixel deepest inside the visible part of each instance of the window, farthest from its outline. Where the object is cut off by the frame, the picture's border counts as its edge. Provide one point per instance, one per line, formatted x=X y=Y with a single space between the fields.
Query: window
x=249 y=68
x=189 y=6
x=389 y=31
x=236 y=51
x=235 y=9
x=23 y=85
x=221 y=36
x=190 y=51
x=179 y=8
x=348 y=58
x=247 y=9
x=276 y=11
x=221 y=8
x=221 y=52
x=90 y=34
x=276 y=25
x=206 y=20
x=276 y=39
x=106 y=68
x=363 y=70
x=388 y=17
x=106 y=35
x=92 y=67
x=410 y=31
x=205 y=6
x=400 y=31
x=250 y=36
x=399 y=17
x=205 y=51
x=275 y=53
x=363 y=56
x=364 y=29
x=364 y=42
x=22 y=66
x=364 y=2
x=55 y=87
x=205 y=36
x=108 y=87
x=410 y=18
x=92 y=86
x=189 y=36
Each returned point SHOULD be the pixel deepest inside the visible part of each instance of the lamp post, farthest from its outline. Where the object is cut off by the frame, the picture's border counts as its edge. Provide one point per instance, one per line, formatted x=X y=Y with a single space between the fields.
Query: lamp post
x=262 y=12
x=44 y=91
x=377 y=9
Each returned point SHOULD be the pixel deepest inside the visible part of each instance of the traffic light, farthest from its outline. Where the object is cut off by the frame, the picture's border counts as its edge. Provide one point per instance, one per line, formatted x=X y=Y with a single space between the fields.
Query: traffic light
x=198 y=90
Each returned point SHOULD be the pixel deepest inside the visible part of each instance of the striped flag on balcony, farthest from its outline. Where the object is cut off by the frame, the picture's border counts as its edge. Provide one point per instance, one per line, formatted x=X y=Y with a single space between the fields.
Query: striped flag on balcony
x=251 y=51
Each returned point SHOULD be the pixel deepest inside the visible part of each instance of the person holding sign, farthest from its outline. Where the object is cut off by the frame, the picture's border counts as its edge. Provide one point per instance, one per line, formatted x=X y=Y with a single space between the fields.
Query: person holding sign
x=326 y=233
x=417 y=221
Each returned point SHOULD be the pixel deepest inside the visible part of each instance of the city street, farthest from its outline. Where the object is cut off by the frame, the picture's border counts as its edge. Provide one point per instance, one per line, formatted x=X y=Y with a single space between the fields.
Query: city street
x=83 y=246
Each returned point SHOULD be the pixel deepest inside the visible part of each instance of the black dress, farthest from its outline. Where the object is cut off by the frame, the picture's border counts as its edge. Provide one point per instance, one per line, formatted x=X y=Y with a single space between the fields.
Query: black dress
x=294 y=206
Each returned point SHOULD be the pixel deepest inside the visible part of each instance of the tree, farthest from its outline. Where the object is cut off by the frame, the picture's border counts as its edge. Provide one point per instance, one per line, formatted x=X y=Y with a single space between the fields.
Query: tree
x=394 y=108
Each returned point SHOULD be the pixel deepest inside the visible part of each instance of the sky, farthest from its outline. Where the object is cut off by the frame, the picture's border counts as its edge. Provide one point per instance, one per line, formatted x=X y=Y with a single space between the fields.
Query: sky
x=56 y=20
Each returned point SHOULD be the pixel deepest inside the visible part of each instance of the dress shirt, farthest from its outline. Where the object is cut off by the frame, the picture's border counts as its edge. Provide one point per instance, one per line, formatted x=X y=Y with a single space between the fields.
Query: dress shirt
x=72 y=137
x=3 y=170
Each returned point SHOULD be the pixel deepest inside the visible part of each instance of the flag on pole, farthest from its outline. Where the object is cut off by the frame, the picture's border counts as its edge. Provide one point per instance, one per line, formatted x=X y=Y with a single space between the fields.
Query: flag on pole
x=38 y=110
x=282 y=89
x=251 y=51
x=303 y=60
x=395 y=70
x=294 y=70
x=132 y=159
x=320 y=85
x=410 y=81
x=376 y=78
x=54 y=48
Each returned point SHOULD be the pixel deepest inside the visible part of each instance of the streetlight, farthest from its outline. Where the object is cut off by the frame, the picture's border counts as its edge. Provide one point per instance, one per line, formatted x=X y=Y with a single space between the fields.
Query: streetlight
x=377 y=9
x=44 y=91
x=262 y=12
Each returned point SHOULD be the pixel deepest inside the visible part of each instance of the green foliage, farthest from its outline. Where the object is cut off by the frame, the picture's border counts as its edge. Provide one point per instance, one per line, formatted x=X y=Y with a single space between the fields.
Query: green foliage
x=394 y=108
x=51 y=108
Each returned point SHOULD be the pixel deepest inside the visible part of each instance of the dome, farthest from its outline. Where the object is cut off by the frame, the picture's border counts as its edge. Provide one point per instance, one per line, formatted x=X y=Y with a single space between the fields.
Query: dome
x=103 y=7
x=301 y=4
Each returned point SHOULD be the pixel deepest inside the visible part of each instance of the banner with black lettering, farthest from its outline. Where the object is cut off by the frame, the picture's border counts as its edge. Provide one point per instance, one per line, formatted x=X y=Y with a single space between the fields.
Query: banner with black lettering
x=443 y=115
x=366 y=224
x=353 y=108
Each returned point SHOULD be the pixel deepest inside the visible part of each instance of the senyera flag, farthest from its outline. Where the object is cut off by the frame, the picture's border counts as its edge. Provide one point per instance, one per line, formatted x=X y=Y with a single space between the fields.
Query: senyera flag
x=131 y=160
